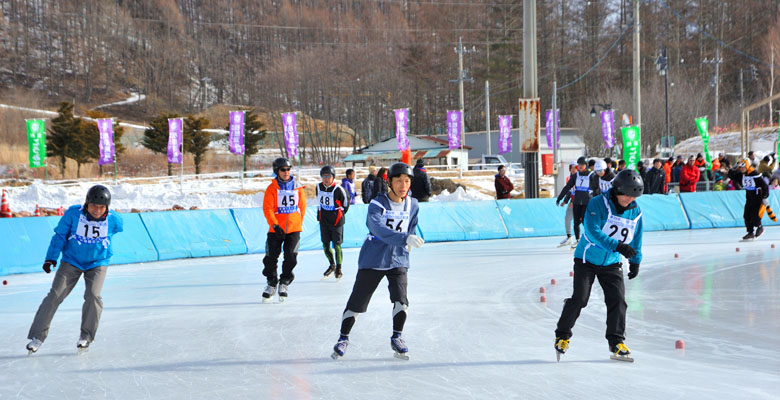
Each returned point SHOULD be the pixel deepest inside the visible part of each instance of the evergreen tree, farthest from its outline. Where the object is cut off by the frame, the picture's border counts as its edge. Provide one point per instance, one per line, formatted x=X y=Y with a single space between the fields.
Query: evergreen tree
x=156 y=137
x=196 y=141
x=62 y=134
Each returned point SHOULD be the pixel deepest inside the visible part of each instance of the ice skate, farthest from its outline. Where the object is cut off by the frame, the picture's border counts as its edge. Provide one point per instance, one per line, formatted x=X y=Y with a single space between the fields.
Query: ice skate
x=82 y=345
x=328 y=271
x=561 y=345
x=620 y=352
x=340 y=348
x=33 y=346
x=282 y=292
x=574 y=244
x=566 y=242
x=268 y=293
x=759 y=231
x=337 y=274
x=750 y=236
x=399 y=346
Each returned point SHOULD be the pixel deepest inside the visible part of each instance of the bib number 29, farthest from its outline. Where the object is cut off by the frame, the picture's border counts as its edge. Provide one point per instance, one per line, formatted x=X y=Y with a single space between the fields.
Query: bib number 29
x=623 y=232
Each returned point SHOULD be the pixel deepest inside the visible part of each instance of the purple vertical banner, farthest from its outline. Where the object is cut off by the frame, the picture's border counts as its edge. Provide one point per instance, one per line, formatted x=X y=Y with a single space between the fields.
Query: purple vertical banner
x=106 y=144
x=504 y=134
x=175 y=140
x=402 y=128
x=454 y=126
x=608 y=128
x=236 y=132
x=548 y=128
x=290 y=123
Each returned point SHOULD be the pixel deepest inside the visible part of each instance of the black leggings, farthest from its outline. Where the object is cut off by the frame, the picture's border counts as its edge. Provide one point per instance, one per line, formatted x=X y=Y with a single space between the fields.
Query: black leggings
x=578 y=210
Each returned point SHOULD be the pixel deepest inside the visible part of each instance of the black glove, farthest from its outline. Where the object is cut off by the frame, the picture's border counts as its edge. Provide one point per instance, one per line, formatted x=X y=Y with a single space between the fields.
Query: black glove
x=48 y=265
x=279 y=232
x=626 y=250
x=633 y=270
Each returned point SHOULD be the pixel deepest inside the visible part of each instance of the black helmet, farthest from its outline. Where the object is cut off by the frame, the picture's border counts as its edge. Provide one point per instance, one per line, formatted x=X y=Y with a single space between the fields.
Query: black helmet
x=582 y=161
x=399 y=169
x=281 y=162
x=99 y=194
x=628 y=182
x=328 y=170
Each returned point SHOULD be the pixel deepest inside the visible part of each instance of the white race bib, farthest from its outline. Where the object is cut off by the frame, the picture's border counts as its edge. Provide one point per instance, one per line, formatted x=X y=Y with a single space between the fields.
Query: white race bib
x=396 y=220
x=748 y=183
x=287 y=201
x=619 y=228
x=583 y=183
x=91 y=231
x=327 y=202
x=604 y=185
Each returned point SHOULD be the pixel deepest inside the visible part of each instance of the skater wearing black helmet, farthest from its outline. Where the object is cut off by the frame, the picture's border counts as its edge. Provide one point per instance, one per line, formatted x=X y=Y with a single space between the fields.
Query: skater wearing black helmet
x=586 y=185
x=613 y=227
x=391 y=221
x=83 y=236
x=333 y=205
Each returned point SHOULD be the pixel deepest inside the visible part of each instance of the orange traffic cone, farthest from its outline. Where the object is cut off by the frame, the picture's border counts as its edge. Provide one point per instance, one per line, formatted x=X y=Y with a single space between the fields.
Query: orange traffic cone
x=37 y=212
x=5 y=212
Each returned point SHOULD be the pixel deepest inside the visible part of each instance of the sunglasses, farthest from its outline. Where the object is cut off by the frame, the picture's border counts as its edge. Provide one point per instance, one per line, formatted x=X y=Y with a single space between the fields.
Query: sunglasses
x=284 y=169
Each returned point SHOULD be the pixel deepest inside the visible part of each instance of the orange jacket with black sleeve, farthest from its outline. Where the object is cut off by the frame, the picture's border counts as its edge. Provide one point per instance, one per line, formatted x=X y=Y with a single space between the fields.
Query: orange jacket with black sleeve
x=284 y=206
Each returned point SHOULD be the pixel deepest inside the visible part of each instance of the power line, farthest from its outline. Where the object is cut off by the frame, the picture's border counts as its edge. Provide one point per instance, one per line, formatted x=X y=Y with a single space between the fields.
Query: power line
x=629 y=25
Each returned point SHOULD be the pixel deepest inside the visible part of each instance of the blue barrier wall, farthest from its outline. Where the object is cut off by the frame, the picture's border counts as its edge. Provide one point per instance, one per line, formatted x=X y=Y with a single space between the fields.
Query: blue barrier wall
x=200 y=233
x=532 y=217
x=197 y=233
x=453 y=221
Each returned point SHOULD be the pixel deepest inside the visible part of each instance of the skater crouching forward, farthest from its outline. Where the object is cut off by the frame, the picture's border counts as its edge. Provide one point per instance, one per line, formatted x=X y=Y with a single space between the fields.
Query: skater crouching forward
x=83 y=237
x=613 y=226
x=391 y=221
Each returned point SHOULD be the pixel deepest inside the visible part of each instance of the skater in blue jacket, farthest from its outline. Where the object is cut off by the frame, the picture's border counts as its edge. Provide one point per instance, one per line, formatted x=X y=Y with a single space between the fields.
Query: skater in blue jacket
x=391 y=221
x=83 y=237
x=613 y=227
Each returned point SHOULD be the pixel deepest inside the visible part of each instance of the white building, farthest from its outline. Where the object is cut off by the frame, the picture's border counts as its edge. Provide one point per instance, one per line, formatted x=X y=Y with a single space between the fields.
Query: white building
x=432 y=150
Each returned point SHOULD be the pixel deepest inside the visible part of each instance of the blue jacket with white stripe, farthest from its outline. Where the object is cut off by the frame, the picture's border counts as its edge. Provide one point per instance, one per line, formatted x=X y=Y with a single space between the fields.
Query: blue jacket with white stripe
x=81 y=244
x=385 y=248
x=595 y=246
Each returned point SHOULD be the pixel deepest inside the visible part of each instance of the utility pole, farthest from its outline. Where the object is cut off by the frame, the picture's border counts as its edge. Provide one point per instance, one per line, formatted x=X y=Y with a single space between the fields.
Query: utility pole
x=741 y=91
x=717 y=82
x=531 y=160
x=487 y=114
x=462 y=77
x=637 y=94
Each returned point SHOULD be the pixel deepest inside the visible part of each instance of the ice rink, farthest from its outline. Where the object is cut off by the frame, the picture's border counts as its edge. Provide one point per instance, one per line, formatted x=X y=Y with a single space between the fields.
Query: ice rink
x=196 y=329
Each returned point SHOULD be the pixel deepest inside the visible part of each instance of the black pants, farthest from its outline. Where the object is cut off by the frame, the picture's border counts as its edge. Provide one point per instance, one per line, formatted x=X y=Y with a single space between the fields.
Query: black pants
x=273 y=248
x=752 y=220
x=578 y=211
x=611 y=280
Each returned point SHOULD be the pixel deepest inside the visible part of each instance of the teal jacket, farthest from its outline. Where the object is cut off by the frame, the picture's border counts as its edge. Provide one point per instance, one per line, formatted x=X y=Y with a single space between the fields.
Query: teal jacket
x=84 y=243
x=598 y=248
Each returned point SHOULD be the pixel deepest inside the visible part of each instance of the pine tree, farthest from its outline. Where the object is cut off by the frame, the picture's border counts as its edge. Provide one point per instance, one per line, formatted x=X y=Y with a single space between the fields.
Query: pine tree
x=196 y=141
x=156 y=137
x=62 y=134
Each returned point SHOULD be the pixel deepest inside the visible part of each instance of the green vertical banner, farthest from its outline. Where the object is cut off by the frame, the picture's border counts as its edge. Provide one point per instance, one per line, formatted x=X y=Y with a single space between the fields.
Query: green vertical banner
x=36 y=141
x=778 y=135
x=632 y=145
x=701 y=125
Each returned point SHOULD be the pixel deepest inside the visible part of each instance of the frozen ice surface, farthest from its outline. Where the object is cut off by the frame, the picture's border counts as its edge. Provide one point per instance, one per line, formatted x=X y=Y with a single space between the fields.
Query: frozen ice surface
x=196 y=329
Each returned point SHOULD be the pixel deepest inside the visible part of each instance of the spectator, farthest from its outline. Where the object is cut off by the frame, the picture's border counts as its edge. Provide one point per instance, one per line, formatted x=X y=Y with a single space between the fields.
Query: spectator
x=591 y=164
x=774 y=184
x=716 y=164
x=689 y=176
x=641 y=170
x=719 y=183
x=621 y=165
x=701 y=164
x=668 y=172
x=421 y=185
x=754 y=160
x=724 y=161
x=367 y=189
x=677 y=169
x=655 y=179
x=504 y=186
x=765 y=166
x=380 y=183
x=348 y=184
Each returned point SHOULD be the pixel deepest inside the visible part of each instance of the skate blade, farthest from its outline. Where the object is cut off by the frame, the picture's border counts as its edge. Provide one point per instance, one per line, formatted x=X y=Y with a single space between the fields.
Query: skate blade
x=336 y=356
x=621 y=358
x=82 y=350
x=267 y=299
x=282 y=299
x=401 y=356
x=747 y=240
x=557 y=356
x=30 y=352
x=325 y=278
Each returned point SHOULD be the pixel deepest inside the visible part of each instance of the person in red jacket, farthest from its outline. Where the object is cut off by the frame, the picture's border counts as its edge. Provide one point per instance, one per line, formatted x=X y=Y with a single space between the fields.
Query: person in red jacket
x=504 y=186
x=689 y=176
